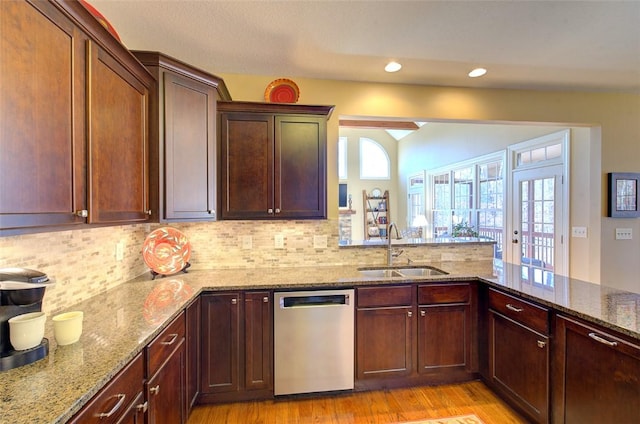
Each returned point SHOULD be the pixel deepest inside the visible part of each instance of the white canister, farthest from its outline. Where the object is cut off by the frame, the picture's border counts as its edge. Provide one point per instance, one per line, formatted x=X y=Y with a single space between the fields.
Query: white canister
x=27 y=330
x=67 y=327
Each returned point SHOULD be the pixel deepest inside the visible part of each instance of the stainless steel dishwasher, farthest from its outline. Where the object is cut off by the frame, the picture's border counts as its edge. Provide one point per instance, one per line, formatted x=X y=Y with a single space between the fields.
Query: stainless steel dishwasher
x=313 y=341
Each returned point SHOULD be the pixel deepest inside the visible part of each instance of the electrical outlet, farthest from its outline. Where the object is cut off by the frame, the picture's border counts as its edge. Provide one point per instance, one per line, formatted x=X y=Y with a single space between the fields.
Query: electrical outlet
x=579 y=232
x=119 y=251
x=624 y=233
x=320 y=242
x=278 y=241
x=247 y=242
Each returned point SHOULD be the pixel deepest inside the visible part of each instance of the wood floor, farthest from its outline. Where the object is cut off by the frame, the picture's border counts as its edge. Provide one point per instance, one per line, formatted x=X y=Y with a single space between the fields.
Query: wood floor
x=378 y=407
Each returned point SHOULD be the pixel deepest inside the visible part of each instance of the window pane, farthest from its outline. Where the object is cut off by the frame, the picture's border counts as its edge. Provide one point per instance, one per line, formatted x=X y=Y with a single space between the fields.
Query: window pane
x=374 y=161
x=342 y=158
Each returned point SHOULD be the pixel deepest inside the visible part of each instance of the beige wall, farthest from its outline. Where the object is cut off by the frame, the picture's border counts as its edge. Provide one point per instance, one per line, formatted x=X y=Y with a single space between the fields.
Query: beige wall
x=613 y=119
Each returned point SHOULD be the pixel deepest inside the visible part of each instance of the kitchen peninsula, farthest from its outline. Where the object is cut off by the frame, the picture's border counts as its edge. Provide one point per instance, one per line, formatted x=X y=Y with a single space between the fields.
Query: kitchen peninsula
x=121 y=322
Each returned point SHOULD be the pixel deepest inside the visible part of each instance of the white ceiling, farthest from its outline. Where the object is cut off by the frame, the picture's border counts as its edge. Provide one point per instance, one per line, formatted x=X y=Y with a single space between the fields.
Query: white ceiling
x=558 y=45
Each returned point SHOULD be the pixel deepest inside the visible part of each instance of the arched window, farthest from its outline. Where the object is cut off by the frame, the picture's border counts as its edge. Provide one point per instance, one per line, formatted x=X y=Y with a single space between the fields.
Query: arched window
x=374 y=161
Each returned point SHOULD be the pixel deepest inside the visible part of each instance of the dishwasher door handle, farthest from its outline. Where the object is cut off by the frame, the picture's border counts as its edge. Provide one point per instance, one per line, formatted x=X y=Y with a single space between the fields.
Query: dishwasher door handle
x=312 y=301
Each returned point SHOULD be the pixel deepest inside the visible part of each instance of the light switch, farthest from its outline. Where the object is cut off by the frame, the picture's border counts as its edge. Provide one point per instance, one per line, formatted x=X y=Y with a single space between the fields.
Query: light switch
x=579 y=232
x=278 y=241
x=624 y=233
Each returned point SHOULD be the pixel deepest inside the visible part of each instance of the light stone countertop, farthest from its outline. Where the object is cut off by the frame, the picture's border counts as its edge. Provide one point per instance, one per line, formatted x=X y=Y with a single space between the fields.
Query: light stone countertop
x=119 y=323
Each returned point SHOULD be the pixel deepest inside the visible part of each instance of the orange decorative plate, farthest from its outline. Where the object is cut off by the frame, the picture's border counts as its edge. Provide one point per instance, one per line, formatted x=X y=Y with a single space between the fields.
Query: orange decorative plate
x=166 y=251
x=282 y=91
x=100 y=17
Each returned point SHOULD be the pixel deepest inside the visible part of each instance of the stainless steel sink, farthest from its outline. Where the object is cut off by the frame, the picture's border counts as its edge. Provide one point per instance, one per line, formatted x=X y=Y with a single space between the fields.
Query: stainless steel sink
x=380 y=272
x=417 y=271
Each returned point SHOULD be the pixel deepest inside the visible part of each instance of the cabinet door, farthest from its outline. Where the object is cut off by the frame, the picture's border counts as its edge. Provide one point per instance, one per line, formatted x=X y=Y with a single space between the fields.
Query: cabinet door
x=258 y=342
x=519 y=365
x=444 y=338
x=118 y=121
x=300 y=168
x=42 y=177
x=384 y=342
x=166 y=390
x=220 y=343
x=189 y=149
x=247 y=174
x=598 y=378
x=193 y=347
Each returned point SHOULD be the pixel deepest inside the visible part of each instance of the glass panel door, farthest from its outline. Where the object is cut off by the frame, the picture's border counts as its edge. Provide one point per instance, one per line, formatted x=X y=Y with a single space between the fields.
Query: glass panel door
x=537 y=227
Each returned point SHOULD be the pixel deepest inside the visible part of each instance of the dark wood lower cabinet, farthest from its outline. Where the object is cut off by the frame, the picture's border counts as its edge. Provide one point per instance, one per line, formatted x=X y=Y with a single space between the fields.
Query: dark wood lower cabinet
x=237 y=346
x=193 y=349
x=518 y=356
x=520 y=366
x=446 y=331
x=166 y=390
x=597 y=375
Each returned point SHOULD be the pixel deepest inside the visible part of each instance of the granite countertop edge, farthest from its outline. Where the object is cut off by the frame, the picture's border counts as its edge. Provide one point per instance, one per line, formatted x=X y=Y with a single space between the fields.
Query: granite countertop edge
x=120 y=322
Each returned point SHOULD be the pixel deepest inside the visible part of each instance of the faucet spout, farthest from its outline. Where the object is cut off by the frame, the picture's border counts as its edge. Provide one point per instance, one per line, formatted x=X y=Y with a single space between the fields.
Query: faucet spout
x=390 y=252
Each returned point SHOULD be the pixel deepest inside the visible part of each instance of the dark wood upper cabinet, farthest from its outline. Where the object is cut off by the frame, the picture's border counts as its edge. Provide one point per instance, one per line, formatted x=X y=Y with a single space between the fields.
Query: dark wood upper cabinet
x=273 y=160
x=118 y=162
x=182 y=139
x=74 y=121
x=42 y=125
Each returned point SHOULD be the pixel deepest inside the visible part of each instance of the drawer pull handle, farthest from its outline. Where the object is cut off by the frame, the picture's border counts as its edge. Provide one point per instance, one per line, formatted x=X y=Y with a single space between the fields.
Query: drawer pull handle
x=234 y=301
x=154 y=390
x=597 y=338
x=541 y=344
x=142 y=407
x=173 y=337
x=121 y=397
x=514 y=308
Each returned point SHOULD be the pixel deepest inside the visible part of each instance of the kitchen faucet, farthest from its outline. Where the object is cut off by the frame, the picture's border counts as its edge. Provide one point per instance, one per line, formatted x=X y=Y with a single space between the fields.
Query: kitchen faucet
x=391 y=253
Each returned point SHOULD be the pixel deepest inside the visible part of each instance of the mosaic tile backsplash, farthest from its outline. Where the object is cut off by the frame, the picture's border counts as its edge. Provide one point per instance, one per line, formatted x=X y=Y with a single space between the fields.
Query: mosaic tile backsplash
x=83 y=262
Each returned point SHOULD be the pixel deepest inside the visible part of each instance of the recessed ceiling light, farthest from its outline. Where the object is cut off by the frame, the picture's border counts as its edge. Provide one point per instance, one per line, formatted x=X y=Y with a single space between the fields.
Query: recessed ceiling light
x=478 y=72
x=392 y=67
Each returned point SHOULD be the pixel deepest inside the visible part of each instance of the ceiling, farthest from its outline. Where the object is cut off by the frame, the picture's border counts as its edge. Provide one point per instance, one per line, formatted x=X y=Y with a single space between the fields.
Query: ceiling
x=543 y=45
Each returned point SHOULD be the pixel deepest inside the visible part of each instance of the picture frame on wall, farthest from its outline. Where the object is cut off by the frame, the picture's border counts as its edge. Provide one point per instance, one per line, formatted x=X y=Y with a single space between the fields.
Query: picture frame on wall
x=623 y=195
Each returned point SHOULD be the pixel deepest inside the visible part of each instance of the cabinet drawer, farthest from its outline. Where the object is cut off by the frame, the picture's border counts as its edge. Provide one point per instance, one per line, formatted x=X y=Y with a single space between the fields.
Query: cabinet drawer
x=443 y=293
x=162 y=346
x=114 y=400
x=385 y=296
x=533 y=316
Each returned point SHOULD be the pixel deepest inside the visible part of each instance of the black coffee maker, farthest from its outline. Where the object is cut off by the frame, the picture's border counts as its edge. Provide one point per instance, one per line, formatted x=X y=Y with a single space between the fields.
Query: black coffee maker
x=21 y=292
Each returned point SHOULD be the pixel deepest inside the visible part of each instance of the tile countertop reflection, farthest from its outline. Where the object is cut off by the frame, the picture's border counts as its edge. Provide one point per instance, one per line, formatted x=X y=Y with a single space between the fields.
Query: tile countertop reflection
x=119 y=323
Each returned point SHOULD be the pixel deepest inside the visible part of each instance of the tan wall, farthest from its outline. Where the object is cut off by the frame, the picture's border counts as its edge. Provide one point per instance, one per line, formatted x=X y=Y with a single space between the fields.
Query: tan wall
x=615 y=117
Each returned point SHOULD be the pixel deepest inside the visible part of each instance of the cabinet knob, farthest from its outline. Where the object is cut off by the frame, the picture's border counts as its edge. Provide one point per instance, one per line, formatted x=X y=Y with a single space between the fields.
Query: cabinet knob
x=277 y=210
x=212 y=212
x=82 y=213
x=409 y=314
x=270 y=211
x=149 y=212
x=234 y=301
x=142 y=407
x=541 y=344
x=154 y=390
x=265 y=299
x=423 y=314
